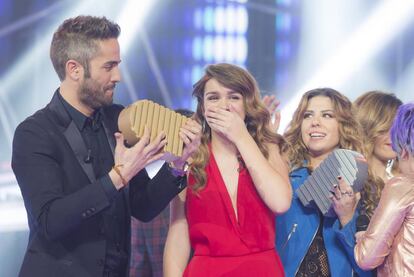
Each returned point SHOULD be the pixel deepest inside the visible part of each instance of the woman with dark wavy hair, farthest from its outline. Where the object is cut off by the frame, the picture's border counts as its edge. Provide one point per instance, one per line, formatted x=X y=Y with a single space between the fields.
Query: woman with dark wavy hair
x=308 y=243
x=237 y=183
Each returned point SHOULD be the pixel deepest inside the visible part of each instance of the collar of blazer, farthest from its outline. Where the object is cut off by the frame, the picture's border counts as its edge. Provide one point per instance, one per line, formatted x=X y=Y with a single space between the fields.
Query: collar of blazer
x=61 y=118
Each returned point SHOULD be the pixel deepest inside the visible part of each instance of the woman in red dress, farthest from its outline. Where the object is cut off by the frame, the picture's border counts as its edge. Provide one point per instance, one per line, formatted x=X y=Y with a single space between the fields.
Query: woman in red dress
x=237 y=182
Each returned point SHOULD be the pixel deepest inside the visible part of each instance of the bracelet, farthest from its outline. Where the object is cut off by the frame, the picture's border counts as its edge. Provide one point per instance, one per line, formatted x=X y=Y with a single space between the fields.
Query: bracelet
x=176 y=172
x=116 y=168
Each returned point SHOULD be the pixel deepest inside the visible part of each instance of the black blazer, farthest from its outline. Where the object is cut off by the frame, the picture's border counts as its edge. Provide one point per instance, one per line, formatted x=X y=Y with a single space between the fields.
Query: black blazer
x=64 y=201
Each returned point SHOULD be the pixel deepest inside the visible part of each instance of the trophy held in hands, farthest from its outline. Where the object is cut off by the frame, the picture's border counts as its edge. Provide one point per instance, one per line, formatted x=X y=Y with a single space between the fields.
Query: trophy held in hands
x=317 y=189
x=133 y=119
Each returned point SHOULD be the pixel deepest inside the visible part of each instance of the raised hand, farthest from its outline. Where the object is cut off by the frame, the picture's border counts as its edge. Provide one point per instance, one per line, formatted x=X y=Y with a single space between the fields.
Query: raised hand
x=132 y=160
x=272 y=104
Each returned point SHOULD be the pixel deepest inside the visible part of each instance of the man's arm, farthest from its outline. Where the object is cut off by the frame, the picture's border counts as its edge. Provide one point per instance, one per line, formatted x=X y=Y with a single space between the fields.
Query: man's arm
x=148 y=197
x=37 y=166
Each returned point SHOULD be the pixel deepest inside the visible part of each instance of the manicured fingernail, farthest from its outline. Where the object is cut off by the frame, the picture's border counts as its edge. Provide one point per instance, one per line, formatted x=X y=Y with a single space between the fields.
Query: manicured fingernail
x=339 y=178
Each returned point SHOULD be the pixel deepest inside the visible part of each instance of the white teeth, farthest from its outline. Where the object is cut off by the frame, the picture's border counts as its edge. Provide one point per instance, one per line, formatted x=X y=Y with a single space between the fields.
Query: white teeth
x=316 y=135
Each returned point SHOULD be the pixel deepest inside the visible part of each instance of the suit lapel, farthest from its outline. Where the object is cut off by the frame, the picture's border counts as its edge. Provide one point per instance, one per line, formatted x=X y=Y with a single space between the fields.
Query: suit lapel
x=109 y=135
x=75 y=140
x=71 y=133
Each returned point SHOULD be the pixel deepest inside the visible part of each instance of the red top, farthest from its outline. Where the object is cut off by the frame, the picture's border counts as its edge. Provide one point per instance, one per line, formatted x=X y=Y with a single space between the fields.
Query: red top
x=221 y=243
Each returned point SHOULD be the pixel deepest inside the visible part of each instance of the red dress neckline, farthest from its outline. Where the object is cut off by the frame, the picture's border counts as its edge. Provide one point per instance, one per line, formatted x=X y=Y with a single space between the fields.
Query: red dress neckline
x=225 y=195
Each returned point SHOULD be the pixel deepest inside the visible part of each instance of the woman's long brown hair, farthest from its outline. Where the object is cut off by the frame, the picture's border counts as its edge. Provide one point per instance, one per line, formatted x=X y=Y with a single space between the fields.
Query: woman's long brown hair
x=257 y=116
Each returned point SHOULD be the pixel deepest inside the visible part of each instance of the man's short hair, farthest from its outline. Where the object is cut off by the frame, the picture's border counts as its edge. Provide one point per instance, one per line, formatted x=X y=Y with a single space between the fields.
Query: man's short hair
x=77 y=39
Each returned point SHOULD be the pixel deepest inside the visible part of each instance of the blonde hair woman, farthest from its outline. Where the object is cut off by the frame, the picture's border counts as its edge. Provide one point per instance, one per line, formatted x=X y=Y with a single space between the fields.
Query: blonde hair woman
x=375 y=112
x=388 y=243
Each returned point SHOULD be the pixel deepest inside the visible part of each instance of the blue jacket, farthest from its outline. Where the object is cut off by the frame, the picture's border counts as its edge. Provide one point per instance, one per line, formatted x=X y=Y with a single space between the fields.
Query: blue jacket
x=296 y=229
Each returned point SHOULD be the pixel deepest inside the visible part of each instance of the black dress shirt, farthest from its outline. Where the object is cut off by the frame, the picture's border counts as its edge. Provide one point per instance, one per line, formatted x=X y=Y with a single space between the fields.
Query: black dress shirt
x=114 y=224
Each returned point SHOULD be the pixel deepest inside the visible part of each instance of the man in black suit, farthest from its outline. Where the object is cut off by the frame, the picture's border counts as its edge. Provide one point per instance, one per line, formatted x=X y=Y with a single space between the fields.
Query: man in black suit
x=80 y=184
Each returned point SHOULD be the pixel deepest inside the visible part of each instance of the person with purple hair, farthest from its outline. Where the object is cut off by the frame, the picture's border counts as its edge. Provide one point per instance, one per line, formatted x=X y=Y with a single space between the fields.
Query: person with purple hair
x=388 y=242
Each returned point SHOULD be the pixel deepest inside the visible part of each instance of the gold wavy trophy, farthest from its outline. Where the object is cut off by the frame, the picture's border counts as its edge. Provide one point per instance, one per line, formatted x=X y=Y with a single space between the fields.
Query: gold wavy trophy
x=133 y=119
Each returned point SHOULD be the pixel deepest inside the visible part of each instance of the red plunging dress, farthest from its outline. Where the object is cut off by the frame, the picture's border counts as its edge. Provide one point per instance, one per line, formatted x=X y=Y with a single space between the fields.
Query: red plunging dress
x=224 y=245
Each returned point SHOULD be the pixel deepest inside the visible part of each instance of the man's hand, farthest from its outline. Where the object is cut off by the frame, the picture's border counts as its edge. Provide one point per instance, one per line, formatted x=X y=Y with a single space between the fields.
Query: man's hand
x=130 y=161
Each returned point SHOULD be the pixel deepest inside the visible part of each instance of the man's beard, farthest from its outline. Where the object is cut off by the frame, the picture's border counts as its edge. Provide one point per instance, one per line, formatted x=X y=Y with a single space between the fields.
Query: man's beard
x=93 y=96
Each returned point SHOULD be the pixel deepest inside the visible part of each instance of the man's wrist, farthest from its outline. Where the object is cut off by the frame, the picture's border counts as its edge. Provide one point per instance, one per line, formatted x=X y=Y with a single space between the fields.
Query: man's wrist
x=117 y=178
x=109 y=186
x=178 y=169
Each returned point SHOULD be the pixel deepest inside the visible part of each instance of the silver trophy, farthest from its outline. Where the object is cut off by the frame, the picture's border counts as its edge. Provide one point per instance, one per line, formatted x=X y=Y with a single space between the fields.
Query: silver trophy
x=317 y=189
